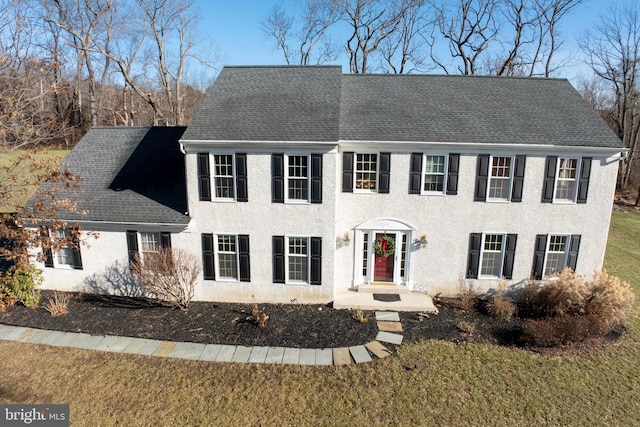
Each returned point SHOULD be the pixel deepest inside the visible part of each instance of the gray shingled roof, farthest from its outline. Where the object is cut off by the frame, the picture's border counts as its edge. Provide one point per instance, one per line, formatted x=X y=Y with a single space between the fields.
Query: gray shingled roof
x=302 y=104
x=130 y=174
x=270 y=104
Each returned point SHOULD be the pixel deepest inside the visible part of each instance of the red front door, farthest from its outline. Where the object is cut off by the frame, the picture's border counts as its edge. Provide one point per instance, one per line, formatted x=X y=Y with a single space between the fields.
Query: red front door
x=383 y=269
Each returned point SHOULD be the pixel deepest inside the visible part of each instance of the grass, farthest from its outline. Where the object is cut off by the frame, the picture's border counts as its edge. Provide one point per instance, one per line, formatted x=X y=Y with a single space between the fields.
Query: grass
x=455 y=385
x=26 y=186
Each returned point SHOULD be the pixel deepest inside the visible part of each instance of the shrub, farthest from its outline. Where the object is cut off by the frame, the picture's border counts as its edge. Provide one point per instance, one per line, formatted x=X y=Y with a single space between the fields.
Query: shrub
x=501 y=306
x=609 y=301
x=57 y=304
x=565 y=294
x=527 y=301
x=466 y=328
x=170 y=276
x=556 y=331
x=21 y=284
x=467 y=295
x=259 y=316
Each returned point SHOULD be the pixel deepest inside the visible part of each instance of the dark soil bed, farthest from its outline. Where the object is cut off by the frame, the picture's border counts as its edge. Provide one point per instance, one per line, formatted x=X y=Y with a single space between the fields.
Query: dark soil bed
x=289 y=325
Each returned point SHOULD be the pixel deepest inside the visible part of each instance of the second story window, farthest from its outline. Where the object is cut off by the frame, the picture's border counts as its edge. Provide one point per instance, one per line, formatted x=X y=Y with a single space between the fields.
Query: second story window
x=223 y=176
x=499 y=178
x=298 y=178
x=566 y=180
x=366 y=172
x=227 y=173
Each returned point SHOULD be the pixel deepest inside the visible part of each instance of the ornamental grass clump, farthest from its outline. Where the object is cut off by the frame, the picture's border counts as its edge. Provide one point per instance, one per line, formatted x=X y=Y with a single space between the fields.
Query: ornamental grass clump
x=502 y=306
x=568 y=308
x=57 y=304
x=467 y=295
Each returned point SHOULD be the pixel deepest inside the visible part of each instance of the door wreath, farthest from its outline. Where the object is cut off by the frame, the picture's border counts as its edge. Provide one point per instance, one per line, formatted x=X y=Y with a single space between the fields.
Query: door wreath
x=385 y=246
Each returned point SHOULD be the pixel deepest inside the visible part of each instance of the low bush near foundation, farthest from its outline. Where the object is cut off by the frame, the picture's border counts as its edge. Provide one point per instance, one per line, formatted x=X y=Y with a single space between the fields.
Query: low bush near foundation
x=467 y=295
x=501 y=306
x=20 y=284
x=569 y=308
x=57 y=304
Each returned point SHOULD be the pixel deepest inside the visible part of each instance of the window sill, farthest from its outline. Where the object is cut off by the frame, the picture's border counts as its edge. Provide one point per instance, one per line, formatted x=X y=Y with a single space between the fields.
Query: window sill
x=221 y=200
x=433 y=193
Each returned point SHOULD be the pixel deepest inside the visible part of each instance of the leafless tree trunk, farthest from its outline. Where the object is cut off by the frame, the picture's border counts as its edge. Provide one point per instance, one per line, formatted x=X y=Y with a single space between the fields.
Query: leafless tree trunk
x=613 y=52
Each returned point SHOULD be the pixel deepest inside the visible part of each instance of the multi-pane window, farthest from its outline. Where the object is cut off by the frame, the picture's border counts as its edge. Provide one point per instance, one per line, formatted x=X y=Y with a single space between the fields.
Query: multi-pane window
x=298 y=177
x=150 y=242
x=223 y=176
x=566 y=179
x=298 y=263
x=366 y=172
x=556 y=258
x=491 y=260
x=227 y=257
x=500 y=178
x=64 y=255
x=403 y=256
x=434 y=173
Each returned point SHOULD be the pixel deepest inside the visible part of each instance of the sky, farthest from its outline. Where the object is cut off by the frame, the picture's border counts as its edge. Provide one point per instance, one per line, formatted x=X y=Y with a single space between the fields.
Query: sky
x=234 y=27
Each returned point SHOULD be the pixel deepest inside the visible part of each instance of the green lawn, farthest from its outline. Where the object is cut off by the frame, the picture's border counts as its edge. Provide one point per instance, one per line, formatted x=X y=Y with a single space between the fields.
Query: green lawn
x=455 y=385
x=18 y=170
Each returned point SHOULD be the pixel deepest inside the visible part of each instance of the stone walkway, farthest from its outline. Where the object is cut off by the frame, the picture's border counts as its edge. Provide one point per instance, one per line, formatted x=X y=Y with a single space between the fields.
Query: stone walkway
x=389 y=328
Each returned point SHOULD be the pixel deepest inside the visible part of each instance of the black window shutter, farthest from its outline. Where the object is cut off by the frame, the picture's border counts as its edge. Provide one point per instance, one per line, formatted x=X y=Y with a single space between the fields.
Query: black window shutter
x=243 y=253
x=473 y=263
x=518 y=179
x=208 y=259
x=204 y=178
x=316 y=178
x=538 y=257
x=278 y=259
x=583 y=185
x=574 y=247
x=242 y=194
x=277 y=178
x=384 y=175
x=46 y=249
x=452 y=174
x=415 y=173
x=316 y=261
x=77 y=256
x=482 y=178
x=165 y=240
x=549 y=179
x=132 y=245
x=509 y=256
x=348 y=159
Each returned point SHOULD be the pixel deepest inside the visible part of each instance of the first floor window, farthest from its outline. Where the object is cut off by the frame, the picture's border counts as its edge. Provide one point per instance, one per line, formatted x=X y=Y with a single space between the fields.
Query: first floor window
x=491 y=255
x=366 y=171
x=297 y=260
x=68 y=252
x=298 y=264
x=227 y=257
x=554 y=253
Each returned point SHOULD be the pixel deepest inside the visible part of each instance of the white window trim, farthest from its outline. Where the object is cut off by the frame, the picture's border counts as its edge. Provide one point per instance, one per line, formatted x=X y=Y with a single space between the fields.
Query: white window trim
x=288 y=281
x=355 y=173
x=502 y=254
x=212 y=171
x=360 y=278
x=56 y=263
x=490 y=176
x=140 y=247
x=422 y=175
x=216 y=252
x=546 y=252
x=286 y=180
x=576 y=181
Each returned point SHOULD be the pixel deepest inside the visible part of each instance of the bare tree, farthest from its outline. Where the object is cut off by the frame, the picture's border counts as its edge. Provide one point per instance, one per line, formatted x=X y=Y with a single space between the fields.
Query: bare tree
x=612 y=48
x=309 y=43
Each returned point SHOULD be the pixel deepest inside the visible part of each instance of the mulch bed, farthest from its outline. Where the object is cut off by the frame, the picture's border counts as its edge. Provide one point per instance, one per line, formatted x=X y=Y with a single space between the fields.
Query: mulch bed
x=289 y=325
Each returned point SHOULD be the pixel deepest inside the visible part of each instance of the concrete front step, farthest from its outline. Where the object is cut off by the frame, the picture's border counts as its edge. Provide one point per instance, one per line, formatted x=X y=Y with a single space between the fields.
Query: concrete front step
x=409 y=301
x=383 y=289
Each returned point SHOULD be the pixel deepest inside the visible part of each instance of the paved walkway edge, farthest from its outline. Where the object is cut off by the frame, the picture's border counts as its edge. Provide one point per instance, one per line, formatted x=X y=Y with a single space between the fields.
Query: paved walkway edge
x=211 y=352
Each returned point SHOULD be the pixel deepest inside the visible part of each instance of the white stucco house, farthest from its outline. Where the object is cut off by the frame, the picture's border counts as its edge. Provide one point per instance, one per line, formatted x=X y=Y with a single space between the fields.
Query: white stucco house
x=298 y=183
